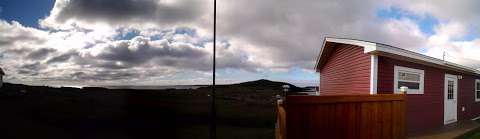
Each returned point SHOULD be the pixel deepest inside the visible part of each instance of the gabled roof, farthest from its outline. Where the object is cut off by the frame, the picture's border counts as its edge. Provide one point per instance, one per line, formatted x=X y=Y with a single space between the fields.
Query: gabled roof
x=1 y=72
x=390 y=51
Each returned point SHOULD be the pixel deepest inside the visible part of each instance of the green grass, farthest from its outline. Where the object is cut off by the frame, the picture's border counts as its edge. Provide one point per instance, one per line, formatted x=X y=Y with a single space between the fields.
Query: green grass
x=475 y=134
x=225 y=132
x=42 y=112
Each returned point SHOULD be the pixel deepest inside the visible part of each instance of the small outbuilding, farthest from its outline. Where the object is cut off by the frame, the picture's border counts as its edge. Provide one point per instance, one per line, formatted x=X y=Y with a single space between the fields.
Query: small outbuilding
x=439 y=92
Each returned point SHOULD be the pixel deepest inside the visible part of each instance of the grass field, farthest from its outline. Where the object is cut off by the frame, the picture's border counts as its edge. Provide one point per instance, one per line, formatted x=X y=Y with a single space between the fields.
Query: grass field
x=244 y=111
x=475 y=134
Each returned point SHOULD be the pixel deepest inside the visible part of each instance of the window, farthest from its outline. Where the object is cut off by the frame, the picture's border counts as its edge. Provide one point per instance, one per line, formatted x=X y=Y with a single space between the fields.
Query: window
x=477 y=90
x=450 y=90
x=408 y=77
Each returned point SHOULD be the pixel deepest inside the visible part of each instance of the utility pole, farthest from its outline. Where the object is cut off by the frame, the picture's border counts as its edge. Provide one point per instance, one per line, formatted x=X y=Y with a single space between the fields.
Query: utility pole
x=213 y=109
x=443 y=56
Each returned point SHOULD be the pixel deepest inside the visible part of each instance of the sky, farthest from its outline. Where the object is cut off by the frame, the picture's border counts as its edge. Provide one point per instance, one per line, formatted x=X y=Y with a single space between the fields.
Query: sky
x=169 y=42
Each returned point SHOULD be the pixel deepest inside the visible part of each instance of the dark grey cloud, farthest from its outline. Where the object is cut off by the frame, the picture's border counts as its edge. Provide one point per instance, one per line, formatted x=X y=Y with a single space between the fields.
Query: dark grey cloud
x=22 y=36
x=14 y=32
x=16 y=51
x=27 y=72
x=31 y=69
x=33 y=66
x=41 y=53
x=61 y=58
x=141 y=51
x=113 y=65
x=129 y=11
x=104 y=75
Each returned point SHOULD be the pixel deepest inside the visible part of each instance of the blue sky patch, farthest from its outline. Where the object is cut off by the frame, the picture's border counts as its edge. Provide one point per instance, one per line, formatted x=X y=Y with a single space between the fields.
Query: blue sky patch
x=130 y=34
x=424 y=22
x=470 y=35
x=186 y=31
x=27 y=12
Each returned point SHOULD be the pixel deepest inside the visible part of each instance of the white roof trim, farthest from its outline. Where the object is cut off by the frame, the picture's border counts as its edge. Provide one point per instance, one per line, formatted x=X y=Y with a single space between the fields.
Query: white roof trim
x=369 y=46
x=372 y=47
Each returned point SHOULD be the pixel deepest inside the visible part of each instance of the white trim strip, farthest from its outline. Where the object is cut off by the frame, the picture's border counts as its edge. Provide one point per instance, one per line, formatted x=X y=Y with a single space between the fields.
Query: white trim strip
x=476 y=118
x=369 y=46
x=476 y=97
x=373 y=74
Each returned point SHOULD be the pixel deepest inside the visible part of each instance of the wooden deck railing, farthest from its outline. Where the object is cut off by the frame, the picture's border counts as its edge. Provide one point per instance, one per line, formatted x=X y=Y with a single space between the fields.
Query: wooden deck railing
x=357 y=116
x=281 y=118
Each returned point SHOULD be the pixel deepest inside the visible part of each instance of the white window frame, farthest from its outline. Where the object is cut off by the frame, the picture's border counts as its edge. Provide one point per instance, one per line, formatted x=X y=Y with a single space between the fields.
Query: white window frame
x=477 y=99
x=398 y=69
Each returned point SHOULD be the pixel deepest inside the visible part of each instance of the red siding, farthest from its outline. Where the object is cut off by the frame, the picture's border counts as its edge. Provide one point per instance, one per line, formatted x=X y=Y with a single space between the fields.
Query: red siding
x=347 y=71
x=466 y=98
x=425 y=111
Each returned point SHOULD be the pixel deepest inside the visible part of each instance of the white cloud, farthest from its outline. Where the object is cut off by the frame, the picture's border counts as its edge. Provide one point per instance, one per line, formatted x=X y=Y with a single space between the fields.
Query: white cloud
x=89 y=57
x=464 y=11
x=286 y=34
x=448 y=39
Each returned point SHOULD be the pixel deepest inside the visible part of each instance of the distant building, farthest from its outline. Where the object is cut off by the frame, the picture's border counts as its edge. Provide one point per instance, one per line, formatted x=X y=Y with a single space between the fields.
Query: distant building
x=312 y=90
x=1 y=77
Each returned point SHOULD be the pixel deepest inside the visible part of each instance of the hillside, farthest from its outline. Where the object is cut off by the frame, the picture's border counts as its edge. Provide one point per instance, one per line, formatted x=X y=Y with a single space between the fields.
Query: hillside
x=245 y=110
x=262 y=83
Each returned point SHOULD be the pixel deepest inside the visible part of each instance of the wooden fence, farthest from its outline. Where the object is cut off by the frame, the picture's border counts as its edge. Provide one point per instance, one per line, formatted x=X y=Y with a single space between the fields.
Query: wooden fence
x=353 y=116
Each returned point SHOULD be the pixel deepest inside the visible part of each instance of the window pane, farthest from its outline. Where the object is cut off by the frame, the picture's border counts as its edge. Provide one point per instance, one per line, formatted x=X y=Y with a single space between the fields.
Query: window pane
x=408 y=76
x=450 y=90
x=410 y=85
x=478 y=85
x=478 y=94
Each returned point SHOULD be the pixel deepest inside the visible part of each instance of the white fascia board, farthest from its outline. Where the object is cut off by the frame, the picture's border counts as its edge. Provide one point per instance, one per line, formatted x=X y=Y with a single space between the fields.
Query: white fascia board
x=476 y=118
x=410 y=54
x=320 y=54
x=406 y=53
x=368 y=46
x=455 y=65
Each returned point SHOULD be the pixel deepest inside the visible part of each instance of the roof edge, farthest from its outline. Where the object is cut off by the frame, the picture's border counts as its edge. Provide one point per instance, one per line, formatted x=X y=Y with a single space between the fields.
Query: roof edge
x=373 y=48
x=369 y=46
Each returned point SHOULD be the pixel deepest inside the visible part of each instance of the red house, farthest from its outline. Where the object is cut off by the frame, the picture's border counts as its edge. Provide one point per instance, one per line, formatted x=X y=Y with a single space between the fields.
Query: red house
x=439 y=92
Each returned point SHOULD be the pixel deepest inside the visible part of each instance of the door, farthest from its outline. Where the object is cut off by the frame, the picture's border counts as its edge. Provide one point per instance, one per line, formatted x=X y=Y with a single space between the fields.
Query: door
x=450 y=101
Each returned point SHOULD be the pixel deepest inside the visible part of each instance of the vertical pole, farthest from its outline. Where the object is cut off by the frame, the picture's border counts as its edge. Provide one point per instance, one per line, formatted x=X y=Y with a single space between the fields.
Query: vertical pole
x=443 y=58
x=213 y=109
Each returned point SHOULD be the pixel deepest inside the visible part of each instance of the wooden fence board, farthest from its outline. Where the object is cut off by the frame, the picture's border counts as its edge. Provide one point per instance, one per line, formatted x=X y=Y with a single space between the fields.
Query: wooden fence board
x=346 y=116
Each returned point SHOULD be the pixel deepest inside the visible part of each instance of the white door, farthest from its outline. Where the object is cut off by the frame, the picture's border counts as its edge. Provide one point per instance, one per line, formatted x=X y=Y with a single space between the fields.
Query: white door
x=450 y=101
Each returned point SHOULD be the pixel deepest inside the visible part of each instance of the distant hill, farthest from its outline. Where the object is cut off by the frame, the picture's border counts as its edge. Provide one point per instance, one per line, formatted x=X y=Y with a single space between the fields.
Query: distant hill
x=259 y=84
x=270 y=84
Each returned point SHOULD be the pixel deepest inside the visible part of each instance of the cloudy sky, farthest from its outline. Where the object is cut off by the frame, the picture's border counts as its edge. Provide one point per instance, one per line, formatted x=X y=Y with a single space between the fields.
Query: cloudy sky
x=166 y=42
